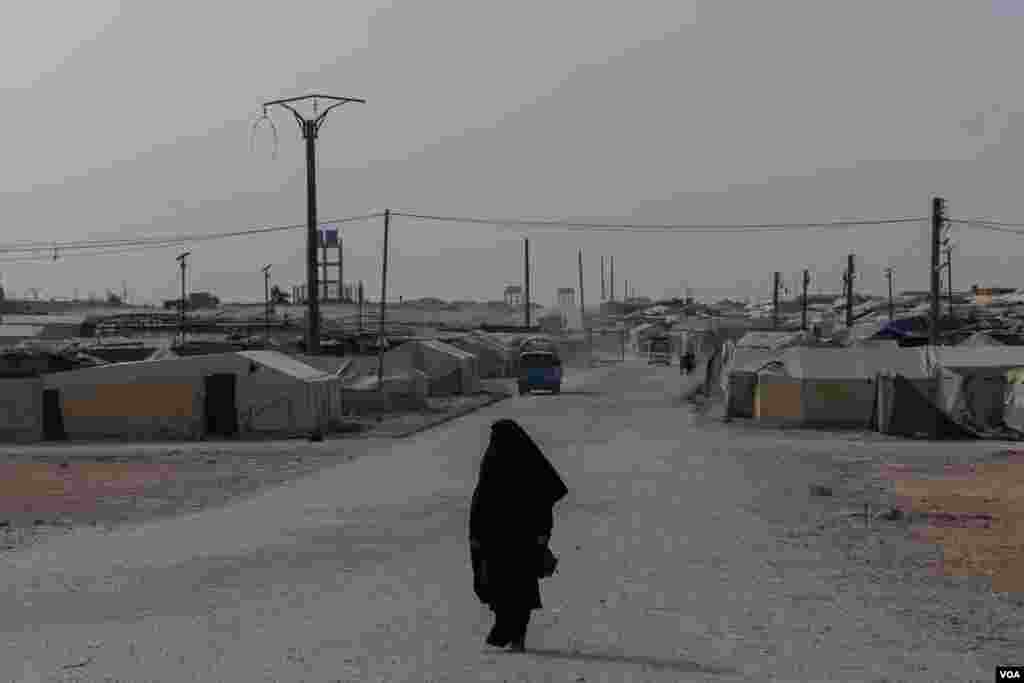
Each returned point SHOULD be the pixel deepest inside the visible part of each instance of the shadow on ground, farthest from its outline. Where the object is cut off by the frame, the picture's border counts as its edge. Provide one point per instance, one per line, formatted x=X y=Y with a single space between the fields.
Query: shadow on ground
x=680 y=665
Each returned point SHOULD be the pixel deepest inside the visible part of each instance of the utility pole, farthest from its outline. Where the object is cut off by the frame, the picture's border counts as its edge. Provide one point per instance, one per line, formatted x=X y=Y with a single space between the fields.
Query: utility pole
x=775 y=299
x=938 y=223
x=583 y=315
x=181 y=303
x=310 y=128
x=949 y=276
x=383 y=299
x=611 y=277
x=803 y=313
x=625 y=292
x=360 y=306
x=602 y=280
x=526 y=281
x=892 y=307
x=850 y=276
x=266 y=301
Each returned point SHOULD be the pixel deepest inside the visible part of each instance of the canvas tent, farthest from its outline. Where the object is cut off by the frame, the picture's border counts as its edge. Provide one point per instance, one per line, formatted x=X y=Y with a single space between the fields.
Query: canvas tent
x=451 y=370
x=769 y=341
x=21 y=409
x=980 y=339
x=975 y=384
x=493 y=359
x=741 y=367
x=829 y=387
x=227 y=395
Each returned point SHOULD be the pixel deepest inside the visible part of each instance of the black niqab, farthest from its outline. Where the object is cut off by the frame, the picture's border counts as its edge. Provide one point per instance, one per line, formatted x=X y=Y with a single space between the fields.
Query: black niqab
x=510 y=512
x=514 y=466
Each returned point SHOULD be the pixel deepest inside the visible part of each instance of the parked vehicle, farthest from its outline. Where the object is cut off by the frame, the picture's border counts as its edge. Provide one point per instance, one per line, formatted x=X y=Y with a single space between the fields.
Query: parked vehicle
x=540 y=370
x=659 y=351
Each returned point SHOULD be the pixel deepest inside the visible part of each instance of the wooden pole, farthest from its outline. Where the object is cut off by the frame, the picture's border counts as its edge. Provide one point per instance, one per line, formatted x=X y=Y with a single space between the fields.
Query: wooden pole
x=383 y=300
x=583 y=315
x=526 y=281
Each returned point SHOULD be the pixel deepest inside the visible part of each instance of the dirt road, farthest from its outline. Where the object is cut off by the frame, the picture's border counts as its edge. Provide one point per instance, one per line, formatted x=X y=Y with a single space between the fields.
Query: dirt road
x=678 y=562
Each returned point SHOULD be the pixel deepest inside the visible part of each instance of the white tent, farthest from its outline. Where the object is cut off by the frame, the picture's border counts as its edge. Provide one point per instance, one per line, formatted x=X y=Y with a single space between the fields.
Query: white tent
x=975 y=383
x=830 y=386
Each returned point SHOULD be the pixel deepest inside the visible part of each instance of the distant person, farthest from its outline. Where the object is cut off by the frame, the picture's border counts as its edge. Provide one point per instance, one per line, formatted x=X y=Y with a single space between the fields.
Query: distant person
x=510 y=523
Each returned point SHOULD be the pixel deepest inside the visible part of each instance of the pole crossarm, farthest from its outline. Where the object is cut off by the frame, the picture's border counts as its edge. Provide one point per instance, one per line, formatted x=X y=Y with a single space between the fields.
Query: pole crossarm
x=314 y=123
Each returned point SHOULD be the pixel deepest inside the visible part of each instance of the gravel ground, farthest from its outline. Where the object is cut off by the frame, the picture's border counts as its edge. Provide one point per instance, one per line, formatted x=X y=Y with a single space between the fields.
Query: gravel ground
x=837 y=493
x=56 y=490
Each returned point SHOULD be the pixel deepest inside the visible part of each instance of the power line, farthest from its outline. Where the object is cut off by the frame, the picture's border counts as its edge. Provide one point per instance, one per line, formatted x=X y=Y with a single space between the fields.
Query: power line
x=987 y=225
x=162 y=241
x=634 y=227
x=983 y=221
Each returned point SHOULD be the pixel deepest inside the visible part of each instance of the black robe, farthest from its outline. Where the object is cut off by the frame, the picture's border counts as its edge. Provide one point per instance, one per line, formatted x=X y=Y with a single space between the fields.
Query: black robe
x=511 y=508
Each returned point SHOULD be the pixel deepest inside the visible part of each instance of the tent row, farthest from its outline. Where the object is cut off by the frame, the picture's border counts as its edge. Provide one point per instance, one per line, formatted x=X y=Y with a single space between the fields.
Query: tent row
x=950 y=391
x=238 y=393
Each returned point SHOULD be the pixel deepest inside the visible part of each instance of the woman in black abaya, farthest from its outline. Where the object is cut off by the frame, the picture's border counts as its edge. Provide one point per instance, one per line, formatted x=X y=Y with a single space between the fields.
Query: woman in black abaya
x=510 y=523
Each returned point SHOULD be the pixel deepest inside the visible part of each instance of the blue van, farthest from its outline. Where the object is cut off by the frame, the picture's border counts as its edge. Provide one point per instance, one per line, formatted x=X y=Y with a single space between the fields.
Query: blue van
x=540 y=369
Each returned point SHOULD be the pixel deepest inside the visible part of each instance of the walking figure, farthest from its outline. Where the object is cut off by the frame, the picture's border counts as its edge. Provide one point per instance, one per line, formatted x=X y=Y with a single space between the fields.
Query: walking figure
x=510 y=524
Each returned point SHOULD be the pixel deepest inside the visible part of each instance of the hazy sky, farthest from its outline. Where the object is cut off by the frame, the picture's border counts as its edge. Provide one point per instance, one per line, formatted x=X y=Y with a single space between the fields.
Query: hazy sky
x=127 y=119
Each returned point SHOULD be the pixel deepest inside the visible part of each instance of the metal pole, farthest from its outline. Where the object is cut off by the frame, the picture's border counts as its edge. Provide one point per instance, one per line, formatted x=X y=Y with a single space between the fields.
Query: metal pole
x=775 y=299
x=949 y=278
x=310 y=128
x=850 y=276
x=611 y=296
x=341 y=280
x=266 y=302
x=312 y=288
x=602 y=279
x=181 y=303
x=526 y=281
x=892 y=308
x=326 y=294
x=938 y=221
x=803 y=313
x=583 y=314
x=383 y=300
x=361 y=303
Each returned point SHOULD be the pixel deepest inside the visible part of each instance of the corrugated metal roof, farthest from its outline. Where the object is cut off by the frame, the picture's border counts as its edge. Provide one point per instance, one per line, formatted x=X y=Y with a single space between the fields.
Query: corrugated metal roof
x=283 y=364
x=854 y=363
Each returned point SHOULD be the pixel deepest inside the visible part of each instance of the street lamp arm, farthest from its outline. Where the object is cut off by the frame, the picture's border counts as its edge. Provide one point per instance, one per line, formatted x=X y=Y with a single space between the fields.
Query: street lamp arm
x=320 y=119
x=315 y=97
x=298 y=117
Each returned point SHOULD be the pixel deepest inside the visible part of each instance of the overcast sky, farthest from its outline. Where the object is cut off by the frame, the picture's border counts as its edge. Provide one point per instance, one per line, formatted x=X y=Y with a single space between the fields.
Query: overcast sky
x=133 y=119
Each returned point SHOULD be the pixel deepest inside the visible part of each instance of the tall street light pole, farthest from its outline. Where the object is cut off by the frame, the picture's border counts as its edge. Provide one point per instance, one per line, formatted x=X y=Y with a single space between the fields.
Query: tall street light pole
x=310 y=128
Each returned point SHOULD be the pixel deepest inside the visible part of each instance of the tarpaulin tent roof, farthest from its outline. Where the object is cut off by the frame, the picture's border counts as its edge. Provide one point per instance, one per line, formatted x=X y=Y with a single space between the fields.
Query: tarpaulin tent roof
x=750 y=360
x=980 y=339
x=283 y=364
x=904 y=326
x=853 y=363
x=768 y=340
x=995 y=358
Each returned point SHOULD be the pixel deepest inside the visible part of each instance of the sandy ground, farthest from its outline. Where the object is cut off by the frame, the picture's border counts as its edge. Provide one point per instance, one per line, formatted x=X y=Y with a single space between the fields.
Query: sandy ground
x=690 y=551
x=48 y=490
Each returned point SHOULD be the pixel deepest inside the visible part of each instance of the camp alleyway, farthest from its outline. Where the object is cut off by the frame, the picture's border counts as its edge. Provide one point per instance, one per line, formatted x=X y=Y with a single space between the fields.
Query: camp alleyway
x=670 y=569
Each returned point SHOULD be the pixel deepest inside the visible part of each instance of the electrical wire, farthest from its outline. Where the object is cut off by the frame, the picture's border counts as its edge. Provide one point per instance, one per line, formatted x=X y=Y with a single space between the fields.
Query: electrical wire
x=991 y=225
x=634 y=227
x=983 y=221
x=159 y=241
